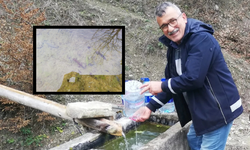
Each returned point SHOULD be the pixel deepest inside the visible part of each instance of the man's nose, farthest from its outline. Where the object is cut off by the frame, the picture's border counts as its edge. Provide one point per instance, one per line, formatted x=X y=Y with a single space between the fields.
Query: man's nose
x=170 y=28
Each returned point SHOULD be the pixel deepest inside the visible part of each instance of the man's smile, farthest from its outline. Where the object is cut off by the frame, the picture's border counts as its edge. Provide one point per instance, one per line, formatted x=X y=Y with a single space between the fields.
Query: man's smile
x=173 y=32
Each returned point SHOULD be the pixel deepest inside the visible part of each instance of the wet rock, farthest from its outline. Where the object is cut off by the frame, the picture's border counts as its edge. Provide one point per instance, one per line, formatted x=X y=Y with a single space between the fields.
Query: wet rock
x=163 y=121
x=154 y=118
x=72 y=79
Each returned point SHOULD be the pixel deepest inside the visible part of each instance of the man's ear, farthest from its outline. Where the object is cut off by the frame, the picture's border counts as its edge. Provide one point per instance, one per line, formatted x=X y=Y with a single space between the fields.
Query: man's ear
x=184 y=16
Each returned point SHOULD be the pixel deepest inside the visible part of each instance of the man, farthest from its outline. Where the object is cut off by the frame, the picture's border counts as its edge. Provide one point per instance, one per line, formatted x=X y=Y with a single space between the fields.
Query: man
x=197 y=78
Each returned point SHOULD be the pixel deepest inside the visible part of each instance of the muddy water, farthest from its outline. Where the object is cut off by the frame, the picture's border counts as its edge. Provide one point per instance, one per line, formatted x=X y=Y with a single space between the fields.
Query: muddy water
x=85 y=51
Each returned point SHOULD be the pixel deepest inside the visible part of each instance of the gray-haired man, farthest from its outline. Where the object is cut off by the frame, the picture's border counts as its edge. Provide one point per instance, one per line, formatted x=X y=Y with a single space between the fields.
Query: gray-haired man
x=197 y=78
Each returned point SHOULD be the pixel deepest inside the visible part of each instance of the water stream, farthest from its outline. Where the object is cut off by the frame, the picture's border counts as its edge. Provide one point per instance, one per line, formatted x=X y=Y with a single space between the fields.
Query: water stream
x=126 y=142
x=136 y=135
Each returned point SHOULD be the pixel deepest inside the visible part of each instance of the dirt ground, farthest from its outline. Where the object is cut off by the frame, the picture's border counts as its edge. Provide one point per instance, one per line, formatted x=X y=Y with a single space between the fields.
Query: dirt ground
x=145 y=56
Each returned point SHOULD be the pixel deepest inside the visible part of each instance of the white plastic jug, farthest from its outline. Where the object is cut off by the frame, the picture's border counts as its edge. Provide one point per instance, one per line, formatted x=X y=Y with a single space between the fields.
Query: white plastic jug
x=132 y=98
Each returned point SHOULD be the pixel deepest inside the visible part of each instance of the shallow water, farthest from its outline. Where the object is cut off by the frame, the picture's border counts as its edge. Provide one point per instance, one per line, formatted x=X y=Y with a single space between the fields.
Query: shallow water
x=136 y=138
x=61 y=51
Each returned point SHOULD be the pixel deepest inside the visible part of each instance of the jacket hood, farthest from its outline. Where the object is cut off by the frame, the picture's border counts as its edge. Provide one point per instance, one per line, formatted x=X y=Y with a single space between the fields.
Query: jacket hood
x=192 y=26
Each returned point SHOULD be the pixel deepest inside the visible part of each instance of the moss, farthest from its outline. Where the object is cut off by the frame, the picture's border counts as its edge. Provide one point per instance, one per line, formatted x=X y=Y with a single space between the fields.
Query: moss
x=91 y=83
x=154 y=127
x=102 y=77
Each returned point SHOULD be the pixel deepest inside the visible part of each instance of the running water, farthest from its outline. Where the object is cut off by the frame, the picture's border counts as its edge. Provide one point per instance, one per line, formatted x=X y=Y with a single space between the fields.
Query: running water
x=135 y=135
x=134 y=118
x=126 y=142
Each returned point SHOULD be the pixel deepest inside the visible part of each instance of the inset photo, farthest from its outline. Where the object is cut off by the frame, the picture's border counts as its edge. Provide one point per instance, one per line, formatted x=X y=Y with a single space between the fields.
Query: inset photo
x=79 y=59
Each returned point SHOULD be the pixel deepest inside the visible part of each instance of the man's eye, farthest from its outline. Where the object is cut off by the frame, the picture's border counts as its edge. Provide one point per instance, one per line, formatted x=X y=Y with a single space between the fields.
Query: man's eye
x=173 y=21
x=164 y=25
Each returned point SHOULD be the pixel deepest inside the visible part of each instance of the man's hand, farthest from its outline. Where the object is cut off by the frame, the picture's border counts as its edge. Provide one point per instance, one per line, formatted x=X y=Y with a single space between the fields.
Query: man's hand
x=154 y=87
x=141 y=114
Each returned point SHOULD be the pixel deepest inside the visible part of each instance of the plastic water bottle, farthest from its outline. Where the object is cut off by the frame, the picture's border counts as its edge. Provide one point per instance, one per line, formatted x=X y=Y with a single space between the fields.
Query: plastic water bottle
x=132 y=99
x=123 y=95
x=169 y=106
x=147 y=94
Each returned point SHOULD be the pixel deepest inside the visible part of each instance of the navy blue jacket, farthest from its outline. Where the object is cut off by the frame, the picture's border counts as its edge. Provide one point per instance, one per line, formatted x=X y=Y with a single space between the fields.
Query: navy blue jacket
x=199 y=82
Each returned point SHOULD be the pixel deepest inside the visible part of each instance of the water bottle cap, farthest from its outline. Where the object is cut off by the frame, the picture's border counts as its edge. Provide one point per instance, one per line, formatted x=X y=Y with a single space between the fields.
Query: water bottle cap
x=171 y=100
x=163 y=79
x=145 y=79
x=132 y=86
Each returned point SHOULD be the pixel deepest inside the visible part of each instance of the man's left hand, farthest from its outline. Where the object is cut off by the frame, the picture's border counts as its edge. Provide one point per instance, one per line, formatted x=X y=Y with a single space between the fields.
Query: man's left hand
x=154 y=87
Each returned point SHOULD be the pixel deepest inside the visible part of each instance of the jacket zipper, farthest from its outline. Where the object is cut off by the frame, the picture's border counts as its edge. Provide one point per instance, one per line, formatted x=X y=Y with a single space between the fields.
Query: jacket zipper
x=217 y=101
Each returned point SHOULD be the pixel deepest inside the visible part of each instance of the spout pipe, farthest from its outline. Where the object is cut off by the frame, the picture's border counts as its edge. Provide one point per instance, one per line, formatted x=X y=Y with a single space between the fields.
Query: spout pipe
x=57 y=109
x=36 y=102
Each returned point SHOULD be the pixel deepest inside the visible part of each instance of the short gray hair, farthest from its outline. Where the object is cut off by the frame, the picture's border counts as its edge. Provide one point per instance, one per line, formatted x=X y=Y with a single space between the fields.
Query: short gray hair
x=160 y=9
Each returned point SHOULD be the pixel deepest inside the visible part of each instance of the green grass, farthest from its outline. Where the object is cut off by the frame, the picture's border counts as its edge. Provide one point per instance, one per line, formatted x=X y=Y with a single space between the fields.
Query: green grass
x=10 y=141
x=160 y=45
x=30 y=138
x=127 y=68
x=35 y=139
x=25 y=131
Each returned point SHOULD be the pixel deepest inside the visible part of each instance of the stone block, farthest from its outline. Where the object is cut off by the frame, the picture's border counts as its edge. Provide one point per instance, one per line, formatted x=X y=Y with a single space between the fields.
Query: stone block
x=93 y=109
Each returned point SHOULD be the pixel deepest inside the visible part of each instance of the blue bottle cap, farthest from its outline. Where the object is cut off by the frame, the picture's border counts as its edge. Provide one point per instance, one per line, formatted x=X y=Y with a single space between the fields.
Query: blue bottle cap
x=148 y=98
x=163 y=79
x=170 y=101
x=145 y=79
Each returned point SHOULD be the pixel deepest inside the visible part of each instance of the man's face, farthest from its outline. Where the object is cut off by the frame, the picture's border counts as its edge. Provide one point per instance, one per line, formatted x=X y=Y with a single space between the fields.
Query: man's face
x=176 y=32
